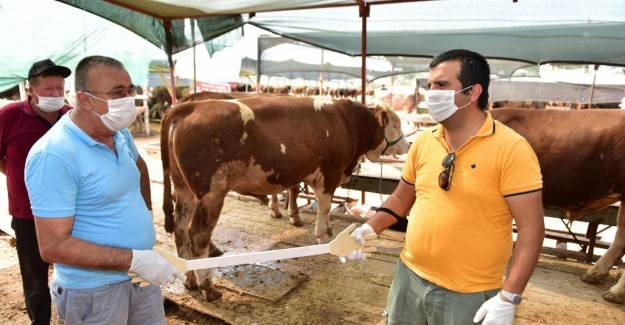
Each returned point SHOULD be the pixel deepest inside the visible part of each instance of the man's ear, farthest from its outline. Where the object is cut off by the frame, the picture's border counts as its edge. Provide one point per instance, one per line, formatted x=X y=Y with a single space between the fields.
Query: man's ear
x=475 y=92
x=83 y=100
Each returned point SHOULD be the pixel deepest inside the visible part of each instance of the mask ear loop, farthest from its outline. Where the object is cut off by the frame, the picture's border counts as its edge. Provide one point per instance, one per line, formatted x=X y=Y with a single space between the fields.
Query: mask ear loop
x=462 y=91
x=98 y=98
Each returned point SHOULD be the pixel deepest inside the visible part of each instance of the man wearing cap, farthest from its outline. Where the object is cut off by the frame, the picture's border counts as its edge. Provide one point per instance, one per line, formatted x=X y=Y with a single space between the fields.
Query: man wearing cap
x=21 y=125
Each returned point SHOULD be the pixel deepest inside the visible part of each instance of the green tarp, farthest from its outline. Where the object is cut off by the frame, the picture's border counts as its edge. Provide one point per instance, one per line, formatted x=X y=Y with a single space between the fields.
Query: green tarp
x=153 y=28
x=38 y=29
x=533 y=31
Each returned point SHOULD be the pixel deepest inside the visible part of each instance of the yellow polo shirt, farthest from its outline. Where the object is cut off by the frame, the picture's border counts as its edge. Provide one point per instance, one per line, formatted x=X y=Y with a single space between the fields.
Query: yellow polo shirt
x=461 y=239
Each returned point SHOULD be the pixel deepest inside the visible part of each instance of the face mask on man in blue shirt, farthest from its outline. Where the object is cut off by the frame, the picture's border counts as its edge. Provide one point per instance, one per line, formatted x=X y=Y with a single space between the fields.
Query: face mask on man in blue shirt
x=121 y=112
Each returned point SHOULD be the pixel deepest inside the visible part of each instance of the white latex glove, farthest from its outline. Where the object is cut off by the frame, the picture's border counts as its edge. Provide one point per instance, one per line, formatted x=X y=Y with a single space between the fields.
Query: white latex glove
x=154 y=268
x=495 y=311
x=358 y=234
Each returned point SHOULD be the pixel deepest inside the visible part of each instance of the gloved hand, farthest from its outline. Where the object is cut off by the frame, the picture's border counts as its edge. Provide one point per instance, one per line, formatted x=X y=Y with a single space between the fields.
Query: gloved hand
x=495 y=311
x=154 y=268
x=359 y=234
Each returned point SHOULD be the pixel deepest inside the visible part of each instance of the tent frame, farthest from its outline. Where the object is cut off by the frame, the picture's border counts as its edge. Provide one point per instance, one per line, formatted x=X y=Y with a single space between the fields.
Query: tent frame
x=363 y=5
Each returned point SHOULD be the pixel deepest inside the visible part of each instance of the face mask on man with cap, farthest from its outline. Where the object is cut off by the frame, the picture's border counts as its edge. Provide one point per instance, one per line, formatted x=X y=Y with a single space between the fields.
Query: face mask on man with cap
x=47 y=85
x=47 y=93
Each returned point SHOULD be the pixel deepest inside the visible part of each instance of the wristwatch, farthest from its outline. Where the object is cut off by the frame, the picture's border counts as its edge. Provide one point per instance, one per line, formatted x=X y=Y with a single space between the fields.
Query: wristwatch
x=510 y=297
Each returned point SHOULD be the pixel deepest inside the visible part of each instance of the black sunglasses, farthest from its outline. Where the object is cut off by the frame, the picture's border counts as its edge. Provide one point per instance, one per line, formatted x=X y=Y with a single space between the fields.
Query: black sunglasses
x=444 y=178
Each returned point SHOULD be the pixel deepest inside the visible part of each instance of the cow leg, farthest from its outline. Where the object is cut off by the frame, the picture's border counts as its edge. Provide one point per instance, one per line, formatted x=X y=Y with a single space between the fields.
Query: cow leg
x=600 y=270
x=323 y=227
x=200 y=231
x=293 y=208
x=616 y=294
x=274 y=206
x=182 y=216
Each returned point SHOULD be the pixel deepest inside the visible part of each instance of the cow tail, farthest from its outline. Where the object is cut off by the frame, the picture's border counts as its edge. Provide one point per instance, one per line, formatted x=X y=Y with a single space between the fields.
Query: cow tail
x=168 y=206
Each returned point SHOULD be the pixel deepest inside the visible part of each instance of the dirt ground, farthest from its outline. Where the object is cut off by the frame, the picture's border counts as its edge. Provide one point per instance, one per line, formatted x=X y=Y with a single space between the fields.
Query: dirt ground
x=319 y=289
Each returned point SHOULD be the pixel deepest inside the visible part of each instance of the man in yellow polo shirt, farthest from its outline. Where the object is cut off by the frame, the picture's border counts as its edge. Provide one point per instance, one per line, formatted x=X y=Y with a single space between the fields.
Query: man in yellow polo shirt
x=463 y=183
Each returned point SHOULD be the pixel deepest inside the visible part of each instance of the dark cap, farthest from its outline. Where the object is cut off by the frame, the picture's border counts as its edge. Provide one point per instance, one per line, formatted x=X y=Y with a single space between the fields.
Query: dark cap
x=48 y=67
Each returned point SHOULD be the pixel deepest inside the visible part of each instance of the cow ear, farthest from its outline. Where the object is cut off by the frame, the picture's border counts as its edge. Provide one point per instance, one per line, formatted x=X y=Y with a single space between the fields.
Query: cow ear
x=381 y=116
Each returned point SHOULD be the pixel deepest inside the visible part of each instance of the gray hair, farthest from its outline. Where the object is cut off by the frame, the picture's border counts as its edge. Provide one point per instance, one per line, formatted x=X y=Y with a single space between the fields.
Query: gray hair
x=86 y=64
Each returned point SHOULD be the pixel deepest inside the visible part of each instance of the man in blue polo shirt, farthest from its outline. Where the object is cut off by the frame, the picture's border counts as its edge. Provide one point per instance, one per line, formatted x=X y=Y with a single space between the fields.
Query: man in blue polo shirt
x=84 y=180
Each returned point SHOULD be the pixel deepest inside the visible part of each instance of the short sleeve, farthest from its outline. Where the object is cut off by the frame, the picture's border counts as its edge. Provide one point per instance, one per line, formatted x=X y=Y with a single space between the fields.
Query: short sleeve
x=520 y=172
x=52 y=185
x=408 y=174
x=131 y=144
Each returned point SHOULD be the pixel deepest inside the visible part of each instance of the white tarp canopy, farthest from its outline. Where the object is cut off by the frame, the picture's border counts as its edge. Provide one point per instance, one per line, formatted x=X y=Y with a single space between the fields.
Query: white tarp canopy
x=544 y=91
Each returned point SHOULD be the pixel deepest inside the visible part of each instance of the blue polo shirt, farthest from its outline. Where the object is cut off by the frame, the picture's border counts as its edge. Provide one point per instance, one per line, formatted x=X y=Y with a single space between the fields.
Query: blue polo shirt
x=67 y=174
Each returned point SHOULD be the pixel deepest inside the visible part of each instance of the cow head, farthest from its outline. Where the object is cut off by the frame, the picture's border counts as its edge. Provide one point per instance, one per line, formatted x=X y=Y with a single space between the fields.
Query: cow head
x=394 y=142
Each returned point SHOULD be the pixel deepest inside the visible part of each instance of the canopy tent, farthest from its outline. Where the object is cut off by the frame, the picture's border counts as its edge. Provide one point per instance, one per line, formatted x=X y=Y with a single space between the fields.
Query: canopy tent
x=163 y=22
x=293 y=69
x=533 y=31
x=38 y=29
x=543 y=91
x=530 y=31
x=283 y=57
x=51 y=34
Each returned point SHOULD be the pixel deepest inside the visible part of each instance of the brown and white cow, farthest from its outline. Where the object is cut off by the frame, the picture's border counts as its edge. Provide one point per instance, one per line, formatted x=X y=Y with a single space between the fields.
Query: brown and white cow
x=582 y=158
x=262 y=145
x=273 y=201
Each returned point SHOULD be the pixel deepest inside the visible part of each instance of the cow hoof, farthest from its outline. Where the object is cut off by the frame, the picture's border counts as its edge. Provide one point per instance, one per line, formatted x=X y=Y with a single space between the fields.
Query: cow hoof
x=296 y=221
x=323 y=240
x=612 y=297
x=191 y=281
x=276 y=214
x=215 y=252
x=593 y=278
x=211 y=294
x=329 y=231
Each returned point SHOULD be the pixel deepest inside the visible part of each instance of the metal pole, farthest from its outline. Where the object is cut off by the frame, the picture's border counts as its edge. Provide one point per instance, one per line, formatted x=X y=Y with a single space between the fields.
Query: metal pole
x=170 y=59
x=258 y=65
x=22 y=89
x=592 y=90
x=364 y=13
x=194 y=67
x=392 y=83
x=321 y=75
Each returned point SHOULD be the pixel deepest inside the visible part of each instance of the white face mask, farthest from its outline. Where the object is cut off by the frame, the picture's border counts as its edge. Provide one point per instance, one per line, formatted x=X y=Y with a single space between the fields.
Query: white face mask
x=50 y=104
x=441 y=104
x=121 y=114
